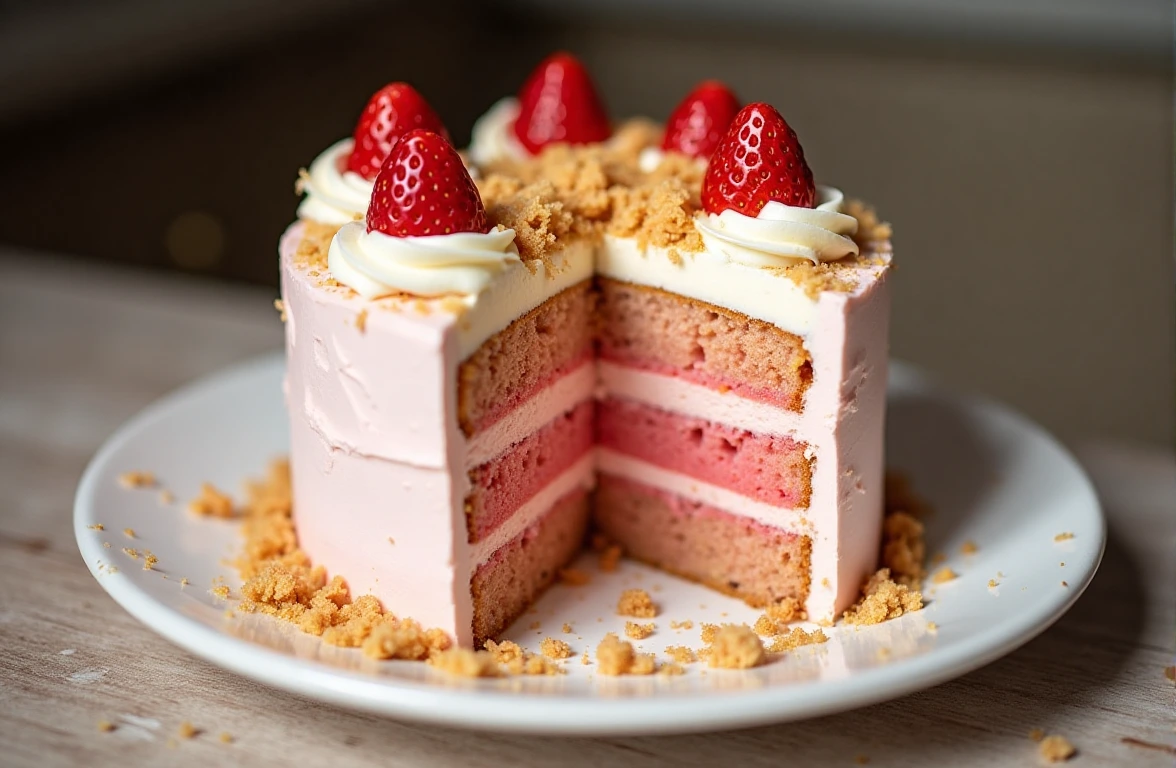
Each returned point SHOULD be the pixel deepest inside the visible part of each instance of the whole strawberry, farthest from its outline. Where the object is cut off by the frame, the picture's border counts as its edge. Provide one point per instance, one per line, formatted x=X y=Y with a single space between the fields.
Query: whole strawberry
x=698 y=123
x=424 y=189
x=757 y=161
x=558 y=103
x=392 y=111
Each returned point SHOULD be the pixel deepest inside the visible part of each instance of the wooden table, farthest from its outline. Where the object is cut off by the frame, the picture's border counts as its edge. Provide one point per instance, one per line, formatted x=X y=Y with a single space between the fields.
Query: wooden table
x=82 y=349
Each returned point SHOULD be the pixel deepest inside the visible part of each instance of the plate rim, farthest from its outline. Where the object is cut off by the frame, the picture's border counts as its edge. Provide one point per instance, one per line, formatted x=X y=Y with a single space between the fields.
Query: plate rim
x=559 y=714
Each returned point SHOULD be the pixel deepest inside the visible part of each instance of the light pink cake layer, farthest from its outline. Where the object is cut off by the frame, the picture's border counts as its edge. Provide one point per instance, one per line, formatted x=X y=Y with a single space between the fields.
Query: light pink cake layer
x=733 y=554
x=504 y=484
x=503 y=586
x=767 y=468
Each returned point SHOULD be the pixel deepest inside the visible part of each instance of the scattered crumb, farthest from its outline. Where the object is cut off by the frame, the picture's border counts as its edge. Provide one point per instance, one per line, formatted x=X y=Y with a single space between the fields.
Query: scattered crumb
x=883 y=599
x=944 y=575
x=616 y=657
x=395 y=639
x=221 y=591
x=765 y=626
x=131 y=552
x=129 y=533
x=105 y=726
x=188 y=731
x=736 y=647
x=796 y=638
x=636 y=631
x=149 y=561
x=688 y=624
x=555 y=649
x=106 y=545
x=566 y=628
x=1066 y=536
x=184 y=582
x=670 y=669
x=969 y=547
x=505 y=652
x=584 y=660
x=708 y=632
x=1170 y=673
x=1037 y=734
x=462 y=662
x=993 y=583
x=636 y=603
x=1065 y=584
x=932 y=627
x=1056 y=749
x=166 y=497
x=609 y=558
x=938 y=558
x=97 y=527
x=361 y=320
x=211 y=503
x=787 y=610
x=281 y=307
x=574 y=577
x=225 y=737
x=681 y=654
x=883 y=654
x=136 y=479
x=392 y=541
x=535 y=625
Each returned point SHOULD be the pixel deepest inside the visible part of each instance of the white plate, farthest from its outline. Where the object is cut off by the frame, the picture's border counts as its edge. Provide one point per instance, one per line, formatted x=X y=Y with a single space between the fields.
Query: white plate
x=992 y=476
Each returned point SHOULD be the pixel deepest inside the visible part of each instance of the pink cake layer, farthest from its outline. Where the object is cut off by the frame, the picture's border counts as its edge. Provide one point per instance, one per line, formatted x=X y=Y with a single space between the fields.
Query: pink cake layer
x=503 y=484
x=733 y=554
x=768 y=468
x=514 y=577
x=713 y=346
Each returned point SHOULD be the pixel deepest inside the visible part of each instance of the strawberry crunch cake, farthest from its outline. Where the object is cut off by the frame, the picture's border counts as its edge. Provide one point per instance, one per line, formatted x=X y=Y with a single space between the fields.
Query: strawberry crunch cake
x=672 y=337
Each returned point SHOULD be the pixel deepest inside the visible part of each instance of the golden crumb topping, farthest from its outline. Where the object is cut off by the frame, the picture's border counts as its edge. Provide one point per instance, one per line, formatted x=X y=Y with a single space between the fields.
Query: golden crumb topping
x=211 y=503
x=136 y=479
x=681 y=654
x=736 y=646
x=1056 y=749
x=636 y=603
x=687 y=624
x=617 y=657
x=555 y=649
x=635 y=631
x=796 y=638
x=1064 y=536
x=882 y=599
x=944 y=575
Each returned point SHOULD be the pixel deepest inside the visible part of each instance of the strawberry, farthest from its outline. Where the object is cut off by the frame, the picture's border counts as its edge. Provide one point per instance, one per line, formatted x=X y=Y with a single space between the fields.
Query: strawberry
x=559 y=103
x=424 y=189
x=759 y=159
x=697 y=124
x=392 y=111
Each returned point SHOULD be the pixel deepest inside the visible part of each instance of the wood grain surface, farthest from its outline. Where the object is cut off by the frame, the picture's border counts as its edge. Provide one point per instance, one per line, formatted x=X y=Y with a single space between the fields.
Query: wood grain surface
x=82 y=349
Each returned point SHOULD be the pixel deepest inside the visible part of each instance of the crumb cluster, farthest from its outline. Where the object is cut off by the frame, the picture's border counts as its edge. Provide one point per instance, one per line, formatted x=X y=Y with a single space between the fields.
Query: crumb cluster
x=211 y=503
x=1056 y=749
x=616 y=657
x=734 y=646
x=882 y=599
x=136 y=479
x=635 y=631
x=636 y=603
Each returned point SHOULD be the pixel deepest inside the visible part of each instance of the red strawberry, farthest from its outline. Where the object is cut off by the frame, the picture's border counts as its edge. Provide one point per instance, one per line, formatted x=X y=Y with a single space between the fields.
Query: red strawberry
x=699 y=122
x=393 y=111
x=759 y=159
x=424 y=189
x=559 y=103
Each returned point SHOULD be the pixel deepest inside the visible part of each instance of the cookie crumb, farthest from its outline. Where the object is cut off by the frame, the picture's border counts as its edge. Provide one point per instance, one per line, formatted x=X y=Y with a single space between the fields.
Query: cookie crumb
x=1056 y=749
x=786 y=610
x=221 y=591
x=225 y=737
x=129 y=533
x=993 y=583
x=688 y=624
x=281 y=307
x=462 y=662
x=616 y=657
x=97 y=527
x=671 y=669
x=796 y=638
x=555 y=649
x=211 y=503
x=736 y=647
x=188 y=731
x=883 y=599
x=361 y=320
x=106 y=545
x=105 y=726
x=149 y=561
x=932 y=627
x=636 y=631
x=708 y=632
x=574 y=577
x=636 y=603
x=166 y=497
x=1065 y=536
x=681 y=654
x=1170 y=673
x=566 y=628
x=1037 y=734
x=131 y=552
x=1065 y=584
x=969 y=547
x=944 y=575
x=184 y=582
x=136 y=479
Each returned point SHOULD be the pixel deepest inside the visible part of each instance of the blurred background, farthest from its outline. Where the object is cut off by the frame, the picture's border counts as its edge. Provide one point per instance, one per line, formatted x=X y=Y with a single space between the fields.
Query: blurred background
x=1021 y=148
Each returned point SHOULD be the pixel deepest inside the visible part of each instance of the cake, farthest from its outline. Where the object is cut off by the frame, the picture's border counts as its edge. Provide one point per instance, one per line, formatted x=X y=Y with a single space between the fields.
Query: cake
x=670 y=337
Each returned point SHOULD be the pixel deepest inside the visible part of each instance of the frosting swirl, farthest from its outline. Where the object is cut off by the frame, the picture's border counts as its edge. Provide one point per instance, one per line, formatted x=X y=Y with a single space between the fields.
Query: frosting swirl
x=374 y=264
x=334 y=195
x=493 y=135
x=783 y=234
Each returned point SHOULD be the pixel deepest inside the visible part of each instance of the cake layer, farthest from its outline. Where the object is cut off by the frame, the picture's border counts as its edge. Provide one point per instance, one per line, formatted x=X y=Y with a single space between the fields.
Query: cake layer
x=506 y=585
x=770 y=469
x=505 y=483
x=529 y=354
x=732 y=554
x=650 y=328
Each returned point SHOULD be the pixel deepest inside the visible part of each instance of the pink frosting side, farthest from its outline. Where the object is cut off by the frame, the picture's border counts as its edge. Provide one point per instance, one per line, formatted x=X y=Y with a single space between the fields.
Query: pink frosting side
x=776 y=397
x=770 y=469
x=505 y=483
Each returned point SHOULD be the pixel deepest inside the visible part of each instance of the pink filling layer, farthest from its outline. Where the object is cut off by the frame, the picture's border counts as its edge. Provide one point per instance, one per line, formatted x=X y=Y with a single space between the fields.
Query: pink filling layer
x=766 y=468
x=776 y=397
x=504 y=484
x=519 y=397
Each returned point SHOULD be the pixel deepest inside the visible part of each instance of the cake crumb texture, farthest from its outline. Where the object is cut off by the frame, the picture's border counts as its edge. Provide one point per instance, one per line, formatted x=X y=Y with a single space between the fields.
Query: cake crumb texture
x=1066 y=536
x=883 y=599
x=681 y=654
x=1056 y=749
x=462 y=662
x=105 y=726
x=617 y=657
x=736 y=646
x=796 y=638
x=555 y=649
x=136 y=479
x=635 y=631
x=944 y=575
x=211 y=503
x=636 y=603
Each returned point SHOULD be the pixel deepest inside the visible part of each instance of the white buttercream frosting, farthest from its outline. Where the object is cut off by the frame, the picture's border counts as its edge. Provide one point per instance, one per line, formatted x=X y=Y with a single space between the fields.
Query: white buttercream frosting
x=493 y=135
x=374 y=264
x=782 y=234
x=334 y=195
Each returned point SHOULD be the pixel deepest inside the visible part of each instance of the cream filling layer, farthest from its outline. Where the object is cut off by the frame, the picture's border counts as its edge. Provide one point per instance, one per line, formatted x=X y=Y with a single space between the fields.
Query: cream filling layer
x=673 y=394
x=611 y=462
x=559 y=397
x=579 y=476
